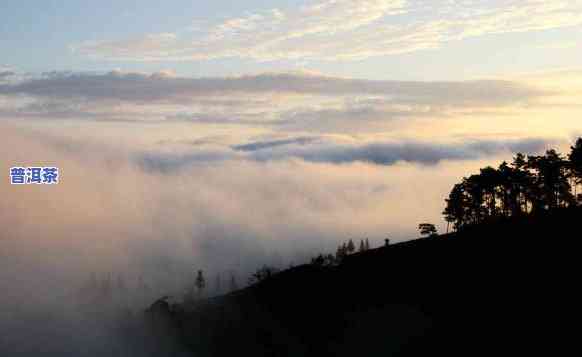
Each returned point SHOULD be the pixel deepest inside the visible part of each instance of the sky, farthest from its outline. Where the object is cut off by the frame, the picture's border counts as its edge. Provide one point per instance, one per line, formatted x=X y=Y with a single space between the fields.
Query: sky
x=223 y=134
x=384 y=39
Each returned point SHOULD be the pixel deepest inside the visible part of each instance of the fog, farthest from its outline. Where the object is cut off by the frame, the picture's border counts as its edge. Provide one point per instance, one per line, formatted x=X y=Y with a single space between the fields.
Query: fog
x=113 y=219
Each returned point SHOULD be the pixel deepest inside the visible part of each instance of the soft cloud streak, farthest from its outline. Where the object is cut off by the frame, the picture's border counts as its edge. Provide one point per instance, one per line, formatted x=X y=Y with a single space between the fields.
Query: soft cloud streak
x=330 y=150
x=344 y=30
x=289 y=101
x=389 y=153
x=139 y=87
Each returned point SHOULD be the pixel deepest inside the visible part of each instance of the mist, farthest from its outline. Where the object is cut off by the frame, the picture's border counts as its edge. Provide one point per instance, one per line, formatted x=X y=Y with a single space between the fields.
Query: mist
x=112 y=218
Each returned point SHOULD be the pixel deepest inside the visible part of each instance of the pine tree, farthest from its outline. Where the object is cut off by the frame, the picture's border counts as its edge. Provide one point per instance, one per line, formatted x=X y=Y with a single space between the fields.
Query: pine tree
x=351 y=247
x=523 y=181
x=527 y=185
x=551 y=179
x=575 y=158
x=367 y=244
x=200 y=282
x=233 y=284
x=456 y=209
x=362 y=247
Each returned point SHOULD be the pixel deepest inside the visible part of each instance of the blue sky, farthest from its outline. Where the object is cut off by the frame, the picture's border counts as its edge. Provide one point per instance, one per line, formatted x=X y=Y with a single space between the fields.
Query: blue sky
x=38 y=36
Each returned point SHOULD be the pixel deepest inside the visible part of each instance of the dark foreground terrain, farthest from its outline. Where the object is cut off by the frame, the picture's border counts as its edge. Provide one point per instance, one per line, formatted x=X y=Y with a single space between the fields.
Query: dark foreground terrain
x=502 y=288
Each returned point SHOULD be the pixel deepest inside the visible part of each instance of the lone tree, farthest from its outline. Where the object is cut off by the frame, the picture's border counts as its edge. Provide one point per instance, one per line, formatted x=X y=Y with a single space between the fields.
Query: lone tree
x=427 y=229
x=351 y=247
x=200 y=282
x=233 y=284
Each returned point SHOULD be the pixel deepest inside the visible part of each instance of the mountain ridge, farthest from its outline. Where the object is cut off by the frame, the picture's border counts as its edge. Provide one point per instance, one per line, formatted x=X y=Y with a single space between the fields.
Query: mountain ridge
x=481 y=289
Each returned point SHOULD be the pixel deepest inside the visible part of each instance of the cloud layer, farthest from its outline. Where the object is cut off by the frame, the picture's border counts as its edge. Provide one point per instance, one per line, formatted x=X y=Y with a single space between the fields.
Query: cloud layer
x=330 y=150
x=387 y=153
x=342 y=30
x=289 y=101
x=160 y=87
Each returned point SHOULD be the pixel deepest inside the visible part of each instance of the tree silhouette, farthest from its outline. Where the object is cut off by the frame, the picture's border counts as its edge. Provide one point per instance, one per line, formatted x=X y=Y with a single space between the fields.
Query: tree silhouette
x=367 y=244
x=551 y=180
x=339 y=254
x=529 y=184
x=456 y=209
x=324 y=260
x=575 y=158
x=522 y=180
x=319 y=260
x=263 y=273
x=329 y=260
x=351 y=247
x=489 y=180
x=233 y=284
x=200 y=282
x=427 y=229
x=362 y=246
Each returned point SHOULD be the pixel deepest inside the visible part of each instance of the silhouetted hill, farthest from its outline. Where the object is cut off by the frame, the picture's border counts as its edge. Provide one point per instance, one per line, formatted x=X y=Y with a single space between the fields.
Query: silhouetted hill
x=499 y=288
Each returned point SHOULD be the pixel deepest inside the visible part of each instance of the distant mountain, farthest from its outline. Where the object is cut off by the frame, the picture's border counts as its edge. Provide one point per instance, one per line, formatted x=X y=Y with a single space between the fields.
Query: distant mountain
x=500 y=288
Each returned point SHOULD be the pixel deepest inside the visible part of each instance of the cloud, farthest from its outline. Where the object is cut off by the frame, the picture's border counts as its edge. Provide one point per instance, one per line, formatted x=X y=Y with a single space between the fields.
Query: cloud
x=389 y=153
x=343 y=30
x=260 y=145
x=558 y=45
x=142 y=87
x=291 y=101
x=365 y=116
x=165 y=199
x=110 y=213
x=327 y=149
x=6 y=74
x=300 y=103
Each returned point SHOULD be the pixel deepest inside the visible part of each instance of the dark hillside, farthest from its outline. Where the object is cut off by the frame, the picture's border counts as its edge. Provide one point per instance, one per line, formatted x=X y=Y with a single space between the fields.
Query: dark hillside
x=499 y=287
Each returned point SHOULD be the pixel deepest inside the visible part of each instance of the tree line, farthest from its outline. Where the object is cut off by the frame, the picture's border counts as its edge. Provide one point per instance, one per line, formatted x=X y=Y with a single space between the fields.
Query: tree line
x=528 y=184
x=342 y=251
